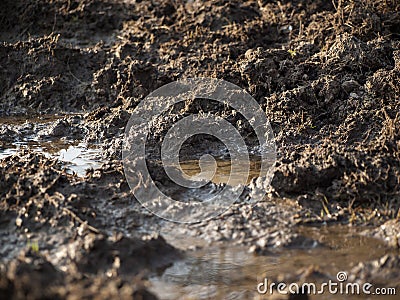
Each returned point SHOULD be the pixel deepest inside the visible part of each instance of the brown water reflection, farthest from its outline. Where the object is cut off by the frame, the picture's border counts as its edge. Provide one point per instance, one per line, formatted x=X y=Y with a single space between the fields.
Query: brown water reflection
x=231 y=272
x=223 y=171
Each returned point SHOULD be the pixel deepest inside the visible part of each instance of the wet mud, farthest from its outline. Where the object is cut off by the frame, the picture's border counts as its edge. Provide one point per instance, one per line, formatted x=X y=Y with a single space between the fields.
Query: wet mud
x=71 y=73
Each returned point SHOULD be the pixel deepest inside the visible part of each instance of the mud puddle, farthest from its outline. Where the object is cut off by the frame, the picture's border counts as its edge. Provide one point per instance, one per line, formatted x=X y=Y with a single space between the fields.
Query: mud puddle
x=77 y=157
x=231 y=272
x=222 y=172
x=75 y=154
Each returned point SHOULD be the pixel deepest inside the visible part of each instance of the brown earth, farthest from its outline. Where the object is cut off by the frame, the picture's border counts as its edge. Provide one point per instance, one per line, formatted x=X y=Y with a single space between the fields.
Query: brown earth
x=326 y=74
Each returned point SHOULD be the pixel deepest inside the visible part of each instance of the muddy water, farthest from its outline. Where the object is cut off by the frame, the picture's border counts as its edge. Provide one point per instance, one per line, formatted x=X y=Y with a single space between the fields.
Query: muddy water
x=223 y=170
x=76 y=155
x=231 y=272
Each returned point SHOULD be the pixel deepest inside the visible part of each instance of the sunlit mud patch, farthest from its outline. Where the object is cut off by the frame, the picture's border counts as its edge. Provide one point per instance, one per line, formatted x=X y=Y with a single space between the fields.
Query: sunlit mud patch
x=231 y=272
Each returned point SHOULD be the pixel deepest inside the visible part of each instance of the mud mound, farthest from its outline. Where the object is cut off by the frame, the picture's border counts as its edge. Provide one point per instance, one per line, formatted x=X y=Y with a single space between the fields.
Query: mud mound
x=48 y=234
x=31 y=276
x=325 y=73
x=126 y=256
x=42 y=75
x=85 y=22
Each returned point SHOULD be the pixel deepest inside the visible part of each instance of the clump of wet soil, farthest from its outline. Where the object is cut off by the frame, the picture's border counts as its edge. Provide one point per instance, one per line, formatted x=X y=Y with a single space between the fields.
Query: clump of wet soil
x=325 y=73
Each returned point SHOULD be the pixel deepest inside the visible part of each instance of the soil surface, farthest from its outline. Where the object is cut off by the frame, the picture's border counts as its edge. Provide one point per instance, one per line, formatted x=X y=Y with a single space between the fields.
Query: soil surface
x=326 y=73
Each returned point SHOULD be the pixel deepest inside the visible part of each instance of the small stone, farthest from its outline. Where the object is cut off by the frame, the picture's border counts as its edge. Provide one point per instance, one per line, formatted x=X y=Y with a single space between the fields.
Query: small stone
x=253 y=249
x=354 y=95
x=18 y=222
